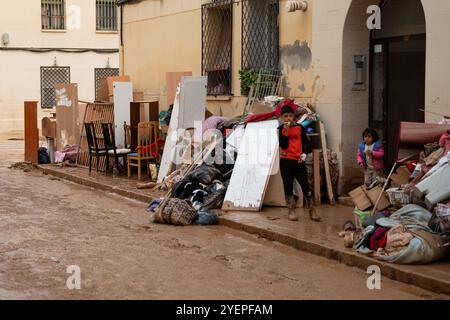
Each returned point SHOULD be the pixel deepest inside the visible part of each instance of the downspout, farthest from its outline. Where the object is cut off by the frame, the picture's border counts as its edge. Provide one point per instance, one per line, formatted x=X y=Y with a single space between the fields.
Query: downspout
x=122 y=51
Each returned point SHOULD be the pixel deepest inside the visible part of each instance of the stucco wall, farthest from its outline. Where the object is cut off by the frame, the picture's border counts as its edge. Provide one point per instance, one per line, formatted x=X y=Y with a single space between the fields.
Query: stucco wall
x=22 y=73
x=20 y=70
x=164 y=36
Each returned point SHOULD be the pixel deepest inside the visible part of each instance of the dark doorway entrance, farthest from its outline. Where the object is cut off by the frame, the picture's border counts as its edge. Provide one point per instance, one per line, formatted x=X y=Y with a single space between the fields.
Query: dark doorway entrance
x=397 y=86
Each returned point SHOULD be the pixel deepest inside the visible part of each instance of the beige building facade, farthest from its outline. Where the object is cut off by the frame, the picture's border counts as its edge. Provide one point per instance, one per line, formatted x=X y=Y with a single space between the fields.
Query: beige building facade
x=358 y=66
x=47 y=41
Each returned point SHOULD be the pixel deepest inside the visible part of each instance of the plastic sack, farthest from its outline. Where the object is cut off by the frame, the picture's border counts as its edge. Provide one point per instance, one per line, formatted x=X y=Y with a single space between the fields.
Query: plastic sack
x=205 y=217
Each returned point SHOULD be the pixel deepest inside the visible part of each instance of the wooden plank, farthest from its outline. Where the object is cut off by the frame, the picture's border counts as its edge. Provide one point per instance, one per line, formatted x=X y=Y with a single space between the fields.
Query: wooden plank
x=31 y=131
x=67 y=129
x=110 y=82
x=173 y=79
x=123 y=96
x=316 y=167
x=326 y=163
x=254 y=163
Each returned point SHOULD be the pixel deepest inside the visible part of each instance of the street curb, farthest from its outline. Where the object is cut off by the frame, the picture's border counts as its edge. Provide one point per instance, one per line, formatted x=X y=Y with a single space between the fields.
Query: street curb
x=96 y=185
x=346 y=257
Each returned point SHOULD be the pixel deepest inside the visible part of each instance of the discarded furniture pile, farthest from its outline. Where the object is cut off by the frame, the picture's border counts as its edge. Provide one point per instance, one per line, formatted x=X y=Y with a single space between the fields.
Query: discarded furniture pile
x=405 y=218
x=230 y=164
x=119 y=125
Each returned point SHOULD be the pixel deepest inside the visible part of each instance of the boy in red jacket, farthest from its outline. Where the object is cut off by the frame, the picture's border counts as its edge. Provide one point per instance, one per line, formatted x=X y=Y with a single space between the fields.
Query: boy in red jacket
x=293 y=149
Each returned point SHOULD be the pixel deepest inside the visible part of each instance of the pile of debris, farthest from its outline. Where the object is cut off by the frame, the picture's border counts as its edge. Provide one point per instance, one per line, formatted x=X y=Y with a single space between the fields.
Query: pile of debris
x=26 y=166
x=405 y=218
x=235 y=169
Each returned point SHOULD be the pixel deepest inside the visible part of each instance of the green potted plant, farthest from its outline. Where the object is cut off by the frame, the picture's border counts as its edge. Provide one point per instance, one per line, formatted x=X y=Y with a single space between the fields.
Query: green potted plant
x=247 y=77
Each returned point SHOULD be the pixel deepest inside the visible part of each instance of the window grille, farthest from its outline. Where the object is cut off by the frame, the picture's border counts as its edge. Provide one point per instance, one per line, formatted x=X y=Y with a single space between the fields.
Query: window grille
x=101 y=73
x=53 y=14
x=106 y=15
x=217 y=23
x=260 y=34
x=49 y=77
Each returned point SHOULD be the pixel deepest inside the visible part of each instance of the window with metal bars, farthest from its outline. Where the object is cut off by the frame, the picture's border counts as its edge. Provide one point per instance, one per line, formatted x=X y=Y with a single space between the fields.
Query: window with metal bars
x=49 y=77
x=260 y=34
x=217 y=24
x=53 y=14
x=101 y=73
x=106 y=15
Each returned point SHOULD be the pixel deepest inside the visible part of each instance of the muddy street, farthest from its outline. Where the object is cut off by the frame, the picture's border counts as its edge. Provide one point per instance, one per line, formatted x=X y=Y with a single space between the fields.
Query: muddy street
x=47 y=225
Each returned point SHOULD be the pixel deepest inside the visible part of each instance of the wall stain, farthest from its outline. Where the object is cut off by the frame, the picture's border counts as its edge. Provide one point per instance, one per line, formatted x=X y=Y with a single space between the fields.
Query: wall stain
x=298 y=56
x=302 y=87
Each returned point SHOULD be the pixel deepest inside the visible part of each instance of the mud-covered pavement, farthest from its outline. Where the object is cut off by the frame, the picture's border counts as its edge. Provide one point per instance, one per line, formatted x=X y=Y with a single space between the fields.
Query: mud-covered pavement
x=47 y=225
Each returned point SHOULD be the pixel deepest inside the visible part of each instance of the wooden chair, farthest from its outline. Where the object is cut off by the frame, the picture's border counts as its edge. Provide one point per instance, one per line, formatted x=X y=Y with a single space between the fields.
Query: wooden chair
x=147 y=136
x=110 y=145
x=93 y=146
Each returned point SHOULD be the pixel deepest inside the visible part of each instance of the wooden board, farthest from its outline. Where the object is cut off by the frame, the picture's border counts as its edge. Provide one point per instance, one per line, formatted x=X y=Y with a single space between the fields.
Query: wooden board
x=123 y=96
x=173 y=79
x=31 y=131
x=254 y=163
x=326 y=163
x=316 y=168
x=188 y=109
x=67 y=124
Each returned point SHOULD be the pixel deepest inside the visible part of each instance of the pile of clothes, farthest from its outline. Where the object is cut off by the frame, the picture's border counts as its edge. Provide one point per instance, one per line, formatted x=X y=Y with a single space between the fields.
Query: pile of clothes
x=417 y=230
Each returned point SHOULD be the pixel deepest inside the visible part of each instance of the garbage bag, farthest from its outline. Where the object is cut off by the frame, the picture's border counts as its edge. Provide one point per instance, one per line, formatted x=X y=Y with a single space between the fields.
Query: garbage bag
x=204 y=174
x=205 y=217
x=214 y=200
x=43 y=157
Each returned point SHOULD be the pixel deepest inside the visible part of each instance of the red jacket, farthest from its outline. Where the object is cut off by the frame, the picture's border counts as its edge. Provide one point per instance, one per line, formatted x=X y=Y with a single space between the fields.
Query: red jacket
x=294 y=143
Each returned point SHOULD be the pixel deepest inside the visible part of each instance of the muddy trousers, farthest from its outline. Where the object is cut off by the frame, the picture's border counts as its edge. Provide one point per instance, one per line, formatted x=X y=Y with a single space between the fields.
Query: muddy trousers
x=291 y=169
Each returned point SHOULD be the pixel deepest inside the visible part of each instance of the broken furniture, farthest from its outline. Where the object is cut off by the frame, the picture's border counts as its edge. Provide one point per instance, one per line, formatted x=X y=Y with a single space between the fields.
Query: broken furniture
x=141 y=111
x=49 y=132
x=189 y=107
x=147 y=139
x=110 y=145
x=93 y=146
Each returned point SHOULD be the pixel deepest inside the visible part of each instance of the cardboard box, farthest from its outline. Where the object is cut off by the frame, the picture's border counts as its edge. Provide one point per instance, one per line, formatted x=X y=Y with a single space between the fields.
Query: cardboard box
x=373 y=195
x=360 y=198
x=401 y=176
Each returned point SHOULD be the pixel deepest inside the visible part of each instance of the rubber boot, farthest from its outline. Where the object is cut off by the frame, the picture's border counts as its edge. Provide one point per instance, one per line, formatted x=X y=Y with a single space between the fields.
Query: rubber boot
x=291 y=204
x=311 y=208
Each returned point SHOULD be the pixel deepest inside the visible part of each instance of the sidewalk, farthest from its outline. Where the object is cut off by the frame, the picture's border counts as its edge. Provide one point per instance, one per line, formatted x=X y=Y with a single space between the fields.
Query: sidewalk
x=317 y=238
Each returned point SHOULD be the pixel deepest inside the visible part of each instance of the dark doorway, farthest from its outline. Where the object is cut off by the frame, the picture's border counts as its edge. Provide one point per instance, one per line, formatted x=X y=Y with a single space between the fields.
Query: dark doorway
x=397 y=87
x=397 y=71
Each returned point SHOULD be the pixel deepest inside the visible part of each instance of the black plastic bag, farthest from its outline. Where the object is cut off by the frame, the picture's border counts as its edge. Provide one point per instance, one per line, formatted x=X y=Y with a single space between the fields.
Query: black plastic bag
x=43 y=157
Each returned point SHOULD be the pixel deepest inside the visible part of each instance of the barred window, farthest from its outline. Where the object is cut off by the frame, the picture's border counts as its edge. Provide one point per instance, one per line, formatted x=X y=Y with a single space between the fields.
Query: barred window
x=106 y=15
x=49 y=77
x=217 y=26
x=260 y=34
x=53 y=14
x=101 y=73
